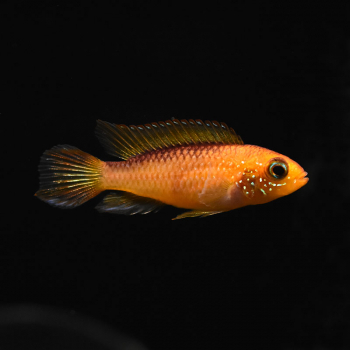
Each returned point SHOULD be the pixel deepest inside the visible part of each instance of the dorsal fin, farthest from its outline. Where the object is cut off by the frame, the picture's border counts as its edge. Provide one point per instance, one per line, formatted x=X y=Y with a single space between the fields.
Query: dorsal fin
x=126 y=142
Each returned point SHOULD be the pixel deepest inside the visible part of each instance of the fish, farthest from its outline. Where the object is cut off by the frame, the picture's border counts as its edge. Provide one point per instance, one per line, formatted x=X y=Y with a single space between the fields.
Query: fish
x=203 y=166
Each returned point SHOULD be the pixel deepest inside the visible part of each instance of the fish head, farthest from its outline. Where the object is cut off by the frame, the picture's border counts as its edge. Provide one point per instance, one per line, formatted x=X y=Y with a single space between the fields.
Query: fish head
x=268 y=175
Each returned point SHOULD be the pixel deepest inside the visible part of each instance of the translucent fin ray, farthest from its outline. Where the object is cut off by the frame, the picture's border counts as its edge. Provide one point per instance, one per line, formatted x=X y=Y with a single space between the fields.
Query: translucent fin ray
x=68 y=176
x=126 y=142
x=196 y=213
x=128 y=204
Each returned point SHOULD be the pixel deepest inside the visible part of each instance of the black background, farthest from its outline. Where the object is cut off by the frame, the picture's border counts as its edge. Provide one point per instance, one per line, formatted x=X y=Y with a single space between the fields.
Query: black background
x=275 y=275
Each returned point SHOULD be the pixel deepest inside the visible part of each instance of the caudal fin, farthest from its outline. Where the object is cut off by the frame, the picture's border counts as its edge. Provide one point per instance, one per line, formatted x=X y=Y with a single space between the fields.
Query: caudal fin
x=68 y=176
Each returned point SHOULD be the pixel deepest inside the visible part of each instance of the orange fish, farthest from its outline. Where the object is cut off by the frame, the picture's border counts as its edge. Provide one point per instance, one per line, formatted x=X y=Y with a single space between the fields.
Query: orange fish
x=202 y=166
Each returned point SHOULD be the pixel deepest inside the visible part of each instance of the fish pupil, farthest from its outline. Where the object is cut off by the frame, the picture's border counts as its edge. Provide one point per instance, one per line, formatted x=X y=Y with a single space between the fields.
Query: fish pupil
x=279 y=170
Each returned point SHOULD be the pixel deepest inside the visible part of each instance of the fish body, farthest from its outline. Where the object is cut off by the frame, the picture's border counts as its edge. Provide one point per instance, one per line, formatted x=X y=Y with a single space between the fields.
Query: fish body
x=202 y=166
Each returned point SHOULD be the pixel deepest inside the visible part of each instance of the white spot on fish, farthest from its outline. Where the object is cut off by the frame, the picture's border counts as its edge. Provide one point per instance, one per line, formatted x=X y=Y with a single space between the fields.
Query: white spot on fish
x=242 y=162
x=240 y=181
x=263 y=191
x=260 y=179
x=270 y=189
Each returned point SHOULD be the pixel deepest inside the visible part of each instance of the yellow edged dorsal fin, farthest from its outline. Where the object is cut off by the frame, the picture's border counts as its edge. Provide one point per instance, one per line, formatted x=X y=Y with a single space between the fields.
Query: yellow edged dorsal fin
x=126 y=142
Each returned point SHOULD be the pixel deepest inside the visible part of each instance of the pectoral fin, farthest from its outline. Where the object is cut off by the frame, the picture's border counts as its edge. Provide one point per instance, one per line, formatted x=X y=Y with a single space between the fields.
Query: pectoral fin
x=212 y=196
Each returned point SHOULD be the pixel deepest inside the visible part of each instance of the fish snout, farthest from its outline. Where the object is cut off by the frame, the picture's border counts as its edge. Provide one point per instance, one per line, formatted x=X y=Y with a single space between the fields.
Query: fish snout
x=302 y=177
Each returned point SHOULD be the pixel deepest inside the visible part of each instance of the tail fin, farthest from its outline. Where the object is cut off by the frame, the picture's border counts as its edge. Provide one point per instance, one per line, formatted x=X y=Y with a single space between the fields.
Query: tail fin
x=68 y=176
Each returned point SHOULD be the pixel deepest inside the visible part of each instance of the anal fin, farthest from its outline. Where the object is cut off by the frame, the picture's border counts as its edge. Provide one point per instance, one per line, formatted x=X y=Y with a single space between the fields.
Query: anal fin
x=196 y=213
x=127 y=203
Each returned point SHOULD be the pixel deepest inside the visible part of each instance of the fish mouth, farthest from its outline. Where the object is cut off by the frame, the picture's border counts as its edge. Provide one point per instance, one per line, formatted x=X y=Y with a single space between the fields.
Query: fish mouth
x=302 y=176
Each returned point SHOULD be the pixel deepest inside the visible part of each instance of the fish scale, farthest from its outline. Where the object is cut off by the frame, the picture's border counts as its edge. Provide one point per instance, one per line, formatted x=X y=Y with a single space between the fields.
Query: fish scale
x=166 y=175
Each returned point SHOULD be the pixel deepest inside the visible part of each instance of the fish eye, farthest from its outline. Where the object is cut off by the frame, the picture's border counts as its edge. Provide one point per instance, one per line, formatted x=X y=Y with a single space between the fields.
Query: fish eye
x=278 y=168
